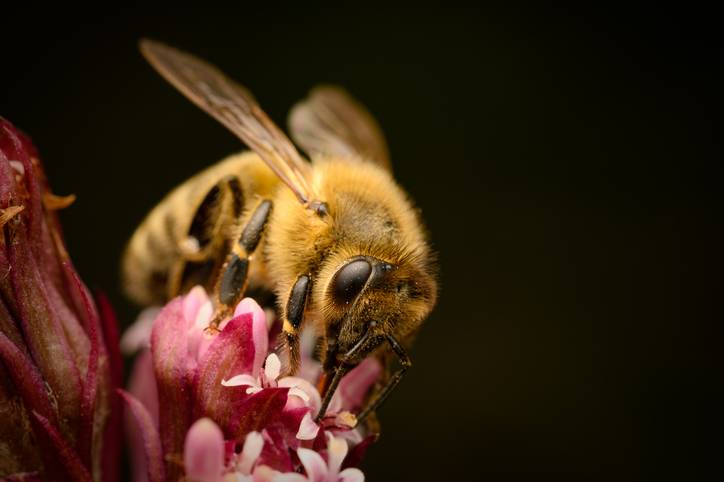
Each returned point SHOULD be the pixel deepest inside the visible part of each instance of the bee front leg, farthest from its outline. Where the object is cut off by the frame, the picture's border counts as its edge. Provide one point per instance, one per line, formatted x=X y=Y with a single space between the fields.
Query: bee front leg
x=293 y=317
x=233 y=279
x=367 y=343
x=405 y=364
x=341 y=371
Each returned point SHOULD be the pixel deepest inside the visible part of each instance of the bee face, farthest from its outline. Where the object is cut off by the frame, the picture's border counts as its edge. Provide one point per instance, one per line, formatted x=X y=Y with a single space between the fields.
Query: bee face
x=372 y=294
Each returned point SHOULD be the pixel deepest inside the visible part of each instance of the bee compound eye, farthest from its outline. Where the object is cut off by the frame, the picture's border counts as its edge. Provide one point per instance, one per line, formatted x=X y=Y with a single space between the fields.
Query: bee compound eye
x=350 y=280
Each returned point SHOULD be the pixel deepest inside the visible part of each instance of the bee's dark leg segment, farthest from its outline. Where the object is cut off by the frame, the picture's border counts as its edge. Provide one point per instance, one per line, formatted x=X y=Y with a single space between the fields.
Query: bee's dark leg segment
x=234 y=274
x=405 y=363
x=255 y=226
x=237 y=195
x=330 y=362
x=297 y=301
x=233 y=279
x=342 y=369
x=221 y=205
x=202 y=249
x=293 y=317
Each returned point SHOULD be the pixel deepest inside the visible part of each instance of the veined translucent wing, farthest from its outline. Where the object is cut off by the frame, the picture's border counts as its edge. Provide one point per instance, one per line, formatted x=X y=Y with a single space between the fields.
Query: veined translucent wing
x=331 y=122
x=233 y=106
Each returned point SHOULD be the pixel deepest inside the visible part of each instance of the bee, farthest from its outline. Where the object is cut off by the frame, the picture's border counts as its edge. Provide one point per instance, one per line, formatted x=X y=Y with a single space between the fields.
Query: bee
x=336 y=239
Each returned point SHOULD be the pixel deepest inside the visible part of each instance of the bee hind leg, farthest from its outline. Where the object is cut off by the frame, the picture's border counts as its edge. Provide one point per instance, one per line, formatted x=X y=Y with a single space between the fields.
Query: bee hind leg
x=200 y=248
x=222 y=203
x=233 y=278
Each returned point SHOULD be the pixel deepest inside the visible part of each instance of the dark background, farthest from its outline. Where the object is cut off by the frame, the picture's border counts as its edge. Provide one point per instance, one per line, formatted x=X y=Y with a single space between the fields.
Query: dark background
x=567 y=165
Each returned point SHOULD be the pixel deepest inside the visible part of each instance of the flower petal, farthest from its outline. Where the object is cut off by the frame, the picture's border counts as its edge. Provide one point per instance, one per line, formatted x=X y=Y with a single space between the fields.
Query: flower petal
x=351 y=475
x=312 y=400
x=113 y=434
x=142 y=385
x=240 y=381
x=138 y=335
x=231 y=351
x=89 y=417
x=352 y=436
x=175 y=373
x=199 y=339
x=354 y=385
x=358 y=451
x=253 y=445
x=294 y=391
x=26 y=377
x=46 y=322
x=18 y=167
x=35 y=288
x=272 y=367
x=203 y=315
x=204 y=451
x=264 y=473
x=308 y=430
x=260 y=330
x=313 y=464
x=289 y=477
x=277 y=453
x=150 y=437
x=18 y=453
x=42 y=297
x=336 y=452
x=193 y=301
x=255 y=412
x=62 y=461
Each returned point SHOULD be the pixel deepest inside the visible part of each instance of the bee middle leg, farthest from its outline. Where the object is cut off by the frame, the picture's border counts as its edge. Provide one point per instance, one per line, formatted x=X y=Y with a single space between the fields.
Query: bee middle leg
x=293 y=317
x=233 y=278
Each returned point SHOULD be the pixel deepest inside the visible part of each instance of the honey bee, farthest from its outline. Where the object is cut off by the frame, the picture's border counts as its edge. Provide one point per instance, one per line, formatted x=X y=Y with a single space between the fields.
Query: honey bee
x=336 y=239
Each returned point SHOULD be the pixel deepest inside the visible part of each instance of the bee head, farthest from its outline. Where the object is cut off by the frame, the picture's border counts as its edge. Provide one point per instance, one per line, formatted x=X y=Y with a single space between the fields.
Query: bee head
x=368 y=293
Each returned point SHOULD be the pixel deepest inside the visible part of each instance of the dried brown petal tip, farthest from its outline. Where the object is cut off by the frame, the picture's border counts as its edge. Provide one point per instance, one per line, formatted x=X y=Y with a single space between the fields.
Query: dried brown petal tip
x=54 y=202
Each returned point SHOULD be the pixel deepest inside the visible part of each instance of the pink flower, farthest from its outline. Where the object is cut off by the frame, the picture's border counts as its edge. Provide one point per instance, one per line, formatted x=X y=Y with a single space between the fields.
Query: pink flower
x=59 y=358
x=210 y=406
x=320 y=471
x=204 y=459
x=267 y=378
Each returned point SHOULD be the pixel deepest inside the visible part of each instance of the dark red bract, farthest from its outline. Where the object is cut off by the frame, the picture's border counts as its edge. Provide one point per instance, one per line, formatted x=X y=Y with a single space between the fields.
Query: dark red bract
x=59 y=358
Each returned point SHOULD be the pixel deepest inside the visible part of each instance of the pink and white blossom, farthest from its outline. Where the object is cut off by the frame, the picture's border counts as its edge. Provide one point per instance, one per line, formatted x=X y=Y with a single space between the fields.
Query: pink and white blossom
x=216 y=407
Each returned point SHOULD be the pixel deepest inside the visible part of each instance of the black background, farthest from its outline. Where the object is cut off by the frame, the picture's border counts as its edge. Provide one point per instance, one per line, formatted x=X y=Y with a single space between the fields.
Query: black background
x=567 y=165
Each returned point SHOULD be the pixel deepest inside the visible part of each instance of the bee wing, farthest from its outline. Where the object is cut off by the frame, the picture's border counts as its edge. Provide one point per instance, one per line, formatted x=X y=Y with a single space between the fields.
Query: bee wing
x=232 y=105
x=331 y=122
